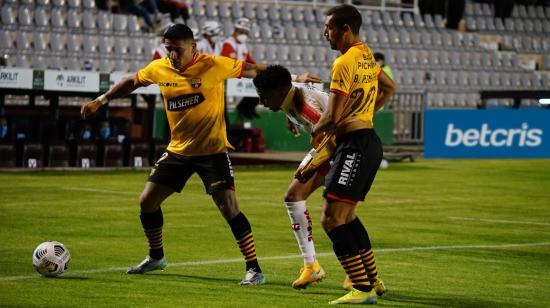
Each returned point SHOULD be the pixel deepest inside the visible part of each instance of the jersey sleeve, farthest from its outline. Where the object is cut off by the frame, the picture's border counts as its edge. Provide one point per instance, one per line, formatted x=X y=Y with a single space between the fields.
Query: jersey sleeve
x=229 y=68
x=341 y=78
x=228 y=51
x=146 y=75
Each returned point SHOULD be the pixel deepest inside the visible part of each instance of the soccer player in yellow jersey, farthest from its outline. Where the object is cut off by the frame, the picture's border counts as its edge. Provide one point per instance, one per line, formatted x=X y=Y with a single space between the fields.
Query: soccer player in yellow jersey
x=192 y=85
x=358 y=88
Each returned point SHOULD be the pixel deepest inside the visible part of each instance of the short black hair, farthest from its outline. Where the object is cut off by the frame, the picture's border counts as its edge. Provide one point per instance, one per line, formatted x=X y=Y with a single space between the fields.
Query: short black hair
x=379 y=56
x=274 y=77
x=346 y=14
x=178 y=32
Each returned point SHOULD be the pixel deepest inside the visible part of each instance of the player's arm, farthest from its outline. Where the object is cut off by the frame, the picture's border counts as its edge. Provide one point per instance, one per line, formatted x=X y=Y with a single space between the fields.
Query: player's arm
x=121 y=89
x=251 y=69
x=386 y=88
x=329 y=119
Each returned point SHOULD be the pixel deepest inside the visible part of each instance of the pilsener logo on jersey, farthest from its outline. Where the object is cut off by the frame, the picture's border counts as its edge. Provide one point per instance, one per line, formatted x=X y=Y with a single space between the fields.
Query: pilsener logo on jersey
x=185 y=101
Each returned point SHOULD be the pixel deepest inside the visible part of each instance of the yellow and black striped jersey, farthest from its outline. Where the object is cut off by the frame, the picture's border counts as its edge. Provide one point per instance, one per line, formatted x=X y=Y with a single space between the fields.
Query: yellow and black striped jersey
x=355 y=75
x=194 y=101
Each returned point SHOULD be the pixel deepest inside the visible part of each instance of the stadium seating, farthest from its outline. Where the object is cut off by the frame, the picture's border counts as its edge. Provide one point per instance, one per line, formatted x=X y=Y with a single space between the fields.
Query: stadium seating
x=86 y=155
x=450 y=67
x=8 y=155
x=113 y=155
x=58 y=155
x=33 y=155
x=138 y=155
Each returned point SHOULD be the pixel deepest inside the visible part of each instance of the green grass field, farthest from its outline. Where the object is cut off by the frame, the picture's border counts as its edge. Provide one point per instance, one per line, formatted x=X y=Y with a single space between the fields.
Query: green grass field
x=446 y=233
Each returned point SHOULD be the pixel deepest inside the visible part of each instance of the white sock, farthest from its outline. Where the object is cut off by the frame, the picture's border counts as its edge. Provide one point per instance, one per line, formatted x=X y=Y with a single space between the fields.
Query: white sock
x=301 y=224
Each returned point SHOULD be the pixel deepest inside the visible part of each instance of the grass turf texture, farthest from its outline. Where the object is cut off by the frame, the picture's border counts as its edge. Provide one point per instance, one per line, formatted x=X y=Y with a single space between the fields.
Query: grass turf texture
x=95 y=214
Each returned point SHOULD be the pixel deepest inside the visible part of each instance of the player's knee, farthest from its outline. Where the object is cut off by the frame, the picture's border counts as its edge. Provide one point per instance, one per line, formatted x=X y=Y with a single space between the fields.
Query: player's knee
x=146 y=203
x=329 y=221
x=228 y=211
x=227 y=204
x=292 y=195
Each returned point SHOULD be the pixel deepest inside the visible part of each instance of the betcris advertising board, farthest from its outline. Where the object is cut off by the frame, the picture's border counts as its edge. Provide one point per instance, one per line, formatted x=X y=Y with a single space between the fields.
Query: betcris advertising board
x=489 y=133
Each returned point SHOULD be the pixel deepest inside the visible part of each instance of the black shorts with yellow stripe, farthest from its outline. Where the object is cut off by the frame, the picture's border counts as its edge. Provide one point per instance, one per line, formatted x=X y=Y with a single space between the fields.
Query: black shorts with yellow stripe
x=174 y=170
x=355 y=162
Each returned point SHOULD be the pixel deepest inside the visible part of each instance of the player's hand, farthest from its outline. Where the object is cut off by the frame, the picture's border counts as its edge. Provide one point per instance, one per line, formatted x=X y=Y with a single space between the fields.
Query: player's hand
x=292 y=128
x=89 y=108
x=307 y=77
x=316 y=139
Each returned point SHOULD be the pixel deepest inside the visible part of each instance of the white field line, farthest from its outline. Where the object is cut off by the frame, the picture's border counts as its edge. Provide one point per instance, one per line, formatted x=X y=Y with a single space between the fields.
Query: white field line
x=517 y=222
x=105 y=191
x=323 y=254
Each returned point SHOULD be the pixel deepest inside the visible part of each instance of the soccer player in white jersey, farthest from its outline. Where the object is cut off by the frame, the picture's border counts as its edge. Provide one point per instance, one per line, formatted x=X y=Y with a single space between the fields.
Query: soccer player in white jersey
x=303 y=104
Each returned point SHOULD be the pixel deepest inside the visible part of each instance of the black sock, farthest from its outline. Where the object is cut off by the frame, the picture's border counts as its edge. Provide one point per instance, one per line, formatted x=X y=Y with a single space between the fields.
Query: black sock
x=243 y=234
x=152 y=225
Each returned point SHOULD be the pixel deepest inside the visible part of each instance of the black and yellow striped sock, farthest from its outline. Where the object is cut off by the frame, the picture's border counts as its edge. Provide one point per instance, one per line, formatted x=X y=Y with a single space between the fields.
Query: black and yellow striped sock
x=370 y=264
x=243 y=234
x=345 y=249
x=353 y=265
x=152 y=225
x=365 y=248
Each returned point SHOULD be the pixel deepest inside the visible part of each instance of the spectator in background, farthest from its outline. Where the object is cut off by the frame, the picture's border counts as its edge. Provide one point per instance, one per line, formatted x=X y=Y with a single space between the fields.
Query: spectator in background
x=3 y=129
x=103 y=4
x=210 y=42
x=235 y=47
x=455 y=11
x=104 y=130
x=86 y=132
x=452 y=10
x=132 y=7
x=176 y=8
x=381 y=60
x=504 y=8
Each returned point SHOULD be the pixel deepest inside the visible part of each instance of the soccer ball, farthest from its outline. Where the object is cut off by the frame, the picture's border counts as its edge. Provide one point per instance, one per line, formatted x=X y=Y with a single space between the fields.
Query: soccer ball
x=384 y=164
x=51 y=258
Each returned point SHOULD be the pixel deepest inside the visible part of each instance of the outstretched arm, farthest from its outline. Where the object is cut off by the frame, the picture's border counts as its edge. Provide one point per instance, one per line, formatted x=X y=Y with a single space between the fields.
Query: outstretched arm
x=121 y=89
x=251 y=69
x=386 y=88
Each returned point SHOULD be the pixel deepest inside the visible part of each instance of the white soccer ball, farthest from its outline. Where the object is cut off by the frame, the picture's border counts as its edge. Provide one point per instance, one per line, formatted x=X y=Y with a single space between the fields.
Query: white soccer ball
x=51 y=258
x=384 y=164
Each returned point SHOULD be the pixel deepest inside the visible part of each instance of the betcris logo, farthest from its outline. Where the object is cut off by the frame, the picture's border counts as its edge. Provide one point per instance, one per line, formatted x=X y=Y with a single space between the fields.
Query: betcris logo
x=499 y=137
x=489 y=133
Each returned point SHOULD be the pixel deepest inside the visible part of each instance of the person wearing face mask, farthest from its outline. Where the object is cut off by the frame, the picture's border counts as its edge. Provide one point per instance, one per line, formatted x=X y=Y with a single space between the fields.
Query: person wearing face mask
x=235 y=47
x=192 y=87
x=210 y=42
x=381 y=60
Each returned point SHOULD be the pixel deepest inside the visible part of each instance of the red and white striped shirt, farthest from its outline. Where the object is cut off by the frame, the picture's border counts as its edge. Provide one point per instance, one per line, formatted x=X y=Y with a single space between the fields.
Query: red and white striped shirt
x=307 y=113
